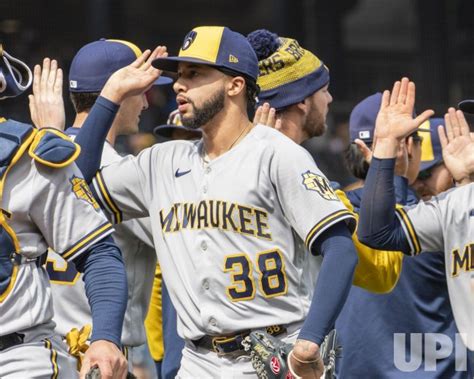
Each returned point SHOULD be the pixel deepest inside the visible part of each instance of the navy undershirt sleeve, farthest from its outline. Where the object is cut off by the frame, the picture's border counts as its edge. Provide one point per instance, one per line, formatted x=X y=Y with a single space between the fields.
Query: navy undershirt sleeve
x=334 y=281
x=106 y=288
x=379 y=227
x=401 y=189
x=92 y=134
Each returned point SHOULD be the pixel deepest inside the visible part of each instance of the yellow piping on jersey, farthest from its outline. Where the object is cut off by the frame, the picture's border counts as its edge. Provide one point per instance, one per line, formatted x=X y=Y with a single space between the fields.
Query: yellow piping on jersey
x=107 y=226
x=108 y=199
x=3 y=221
x=411 y=230
x=53 y=357
x=342 y=214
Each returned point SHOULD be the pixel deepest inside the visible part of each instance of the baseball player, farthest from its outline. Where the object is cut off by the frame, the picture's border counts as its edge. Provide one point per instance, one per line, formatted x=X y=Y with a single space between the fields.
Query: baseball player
x=294 y=99
x=444 y=223
x=162 y=319
x=40 y=190
x=233 y=218
x=421 y=293
x=90 y=68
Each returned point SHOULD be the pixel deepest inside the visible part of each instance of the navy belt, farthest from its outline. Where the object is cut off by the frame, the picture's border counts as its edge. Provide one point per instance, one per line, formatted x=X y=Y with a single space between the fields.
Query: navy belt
x=230 y=344
x=10 y=340
x=19 y=259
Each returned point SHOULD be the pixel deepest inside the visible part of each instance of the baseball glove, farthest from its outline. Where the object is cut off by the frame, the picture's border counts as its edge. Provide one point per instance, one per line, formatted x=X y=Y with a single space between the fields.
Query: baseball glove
x=269 y=355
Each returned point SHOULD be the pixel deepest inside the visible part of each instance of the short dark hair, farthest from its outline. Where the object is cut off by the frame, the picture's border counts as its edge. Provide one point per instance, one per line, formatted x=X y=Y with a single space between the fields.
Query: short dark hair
x=355 y=162
x=83 y=101
x=252 y=89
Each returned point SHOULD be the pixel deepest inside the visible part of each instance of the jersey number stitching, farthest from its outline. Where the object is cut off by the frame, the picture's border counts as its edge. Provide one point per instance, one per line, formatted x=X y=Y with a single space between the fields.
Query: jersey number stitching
x=272 y=277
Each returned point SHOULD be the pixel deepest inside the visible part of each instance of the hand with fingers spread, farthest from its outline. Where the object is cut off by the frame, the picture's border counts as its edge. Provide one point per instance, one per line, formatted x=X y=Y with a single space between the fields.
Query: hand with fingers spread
x=458 y=147
x=401 y=164
x=108 y=357
x=395 y=119
x=135 y=78
x=46 y=103
x=266 y=115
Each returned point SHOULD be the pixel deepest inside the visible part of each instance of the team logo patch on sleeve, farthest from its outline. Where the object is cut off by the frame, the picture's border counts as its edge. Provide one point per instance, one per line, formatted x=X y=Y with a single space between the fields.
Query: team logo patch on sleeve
x=318 y=183
x=83 y=192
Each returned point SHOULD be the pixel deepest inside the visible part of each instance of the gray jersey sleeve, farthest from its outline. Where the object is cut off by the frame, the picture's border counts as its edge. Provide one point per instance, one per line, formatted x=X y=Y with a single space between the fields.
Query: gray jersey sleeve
x=123 y=188
x=422 y=225
x=66 y=213
x=306 y=197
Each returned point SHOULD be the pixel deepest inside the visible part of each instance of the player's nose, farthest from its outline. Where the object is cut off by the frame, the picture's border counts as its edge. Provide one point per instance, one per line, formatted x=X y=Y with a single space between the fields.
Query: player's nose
x=179 y=86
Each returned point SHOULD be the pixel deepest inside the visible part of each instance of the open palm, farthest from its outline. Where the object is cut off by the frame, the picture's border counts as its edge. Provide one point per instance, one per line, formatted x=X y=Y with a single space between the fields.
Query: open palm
x=458 y=146
x=395 y=119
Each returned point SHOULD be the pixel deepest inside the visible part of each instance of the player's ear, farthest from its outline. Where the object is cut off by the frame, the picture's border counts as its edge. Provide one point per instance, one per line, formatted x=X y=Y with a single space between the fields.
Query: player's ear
x=235 y=86
x=303 y=105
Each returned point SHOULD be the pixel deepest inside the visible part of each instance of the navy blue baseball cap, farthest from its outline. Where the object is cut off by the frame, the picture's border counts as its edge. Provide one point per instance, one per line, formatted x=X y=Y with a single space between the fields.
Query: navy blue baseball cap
x=431 y=150
x=467 y=106
x=363 y=117
x=15 y=76
x=215 y=46
x=95 y=62
x=174 y=123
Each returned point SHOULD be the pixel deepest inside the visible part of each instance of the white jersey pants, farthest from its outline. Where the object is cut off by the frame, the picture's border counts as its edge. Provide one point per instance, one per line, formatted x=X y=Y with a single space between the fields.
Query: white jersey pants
x=41 y=355
x=198 y=362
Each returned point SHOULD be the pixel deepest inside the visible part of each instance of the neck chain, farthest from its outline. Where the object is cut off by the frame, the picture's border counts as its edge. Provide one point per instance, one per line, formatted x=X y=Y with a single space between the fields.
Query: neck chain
x=205 y=156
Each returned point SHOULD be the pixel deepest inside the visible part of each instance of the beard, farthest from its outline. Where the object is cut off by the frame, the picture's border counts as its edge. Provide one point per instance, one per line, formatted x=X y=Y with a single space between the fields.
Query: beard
x=315 y=123
x=206 y=112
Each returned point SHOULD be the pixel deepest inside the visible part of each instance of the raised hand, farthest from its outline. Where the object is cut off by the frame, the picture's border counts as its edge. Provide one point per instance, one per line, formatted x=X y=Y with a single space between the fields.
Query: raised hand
x=458 y=147
x=46 y=103
x=266 y=115
x=395 y=119
x=135 y=78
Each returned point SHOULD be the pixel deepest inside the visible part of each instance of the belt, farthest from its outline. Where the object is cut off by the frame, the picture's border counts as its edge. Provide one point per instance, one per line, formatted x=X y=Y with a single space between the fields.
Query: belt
x=230 y=344
x=19 y=259
x=10 y=340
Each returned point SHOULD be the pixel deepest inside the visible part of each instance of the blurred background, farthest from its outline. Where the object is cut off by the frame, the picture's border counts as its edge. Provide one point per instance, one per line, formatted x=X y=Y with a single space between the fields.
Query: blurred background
x=367 y=44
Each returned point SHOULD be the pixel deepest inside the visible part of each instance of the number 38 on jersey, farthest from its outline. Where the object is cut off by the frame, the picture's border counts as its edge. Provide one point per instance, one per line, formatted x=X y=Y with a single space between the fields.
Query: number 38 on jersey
x=267 y=273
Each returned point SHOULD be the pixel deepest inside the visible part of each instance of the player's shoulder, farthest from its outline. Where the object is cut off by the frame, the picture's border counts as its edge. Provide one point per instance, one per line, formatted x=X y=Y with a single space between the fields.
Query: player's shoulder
x=174 y=146
x=275 y=141
x=456 y=195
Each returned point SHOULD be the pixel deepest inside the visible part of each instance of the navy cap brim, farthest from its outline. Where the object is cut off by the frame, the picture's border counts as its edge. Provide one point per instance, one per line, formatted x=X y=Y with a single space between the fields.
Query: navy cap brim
x=171 y=63
x=162 y=80
x=467 y=106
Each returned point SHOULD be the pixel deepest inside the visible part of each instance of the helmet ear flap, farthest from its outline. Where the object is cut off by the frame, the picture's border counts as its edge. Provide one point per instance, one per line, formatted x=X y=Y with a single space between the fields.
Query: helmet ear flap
x=15 y=76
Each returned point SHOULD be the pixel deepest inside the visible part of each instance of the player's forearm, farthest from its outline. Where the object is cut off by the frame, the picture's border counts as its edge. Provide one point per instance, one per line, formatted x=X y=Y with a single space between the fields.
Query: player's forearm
x=91 y=136
x=334 y=282
x=378 y=226
x=106 y=288
x=401 y=189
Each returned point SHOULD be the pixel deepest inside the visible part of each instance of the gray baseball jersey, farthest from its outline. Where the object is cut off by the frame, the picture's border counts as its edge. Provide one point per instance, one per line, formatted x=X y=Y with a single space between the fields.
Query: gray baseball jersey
x=228 y=232
x=43 y=204
x=446 y=223
x=71 y=308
